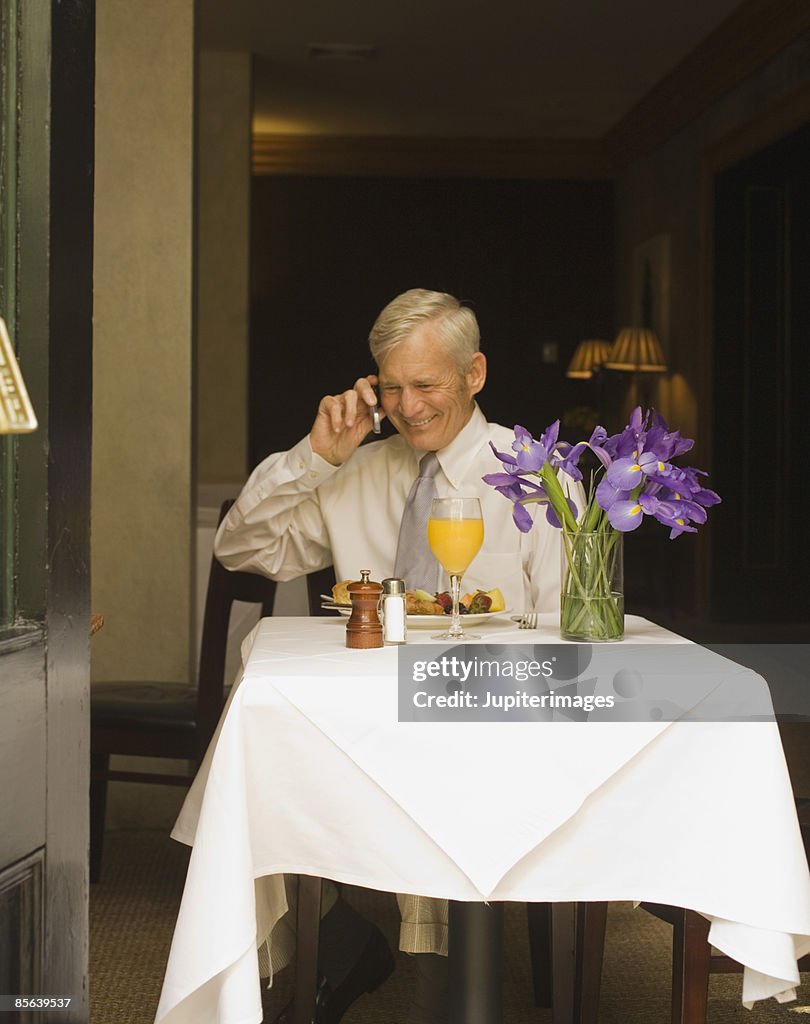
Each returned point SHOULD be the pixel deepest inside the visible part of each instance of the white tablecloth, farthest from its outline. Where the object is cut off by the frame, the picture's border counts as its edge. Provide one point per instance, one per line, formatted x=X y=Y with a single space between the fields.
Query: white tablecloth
x=311 y=773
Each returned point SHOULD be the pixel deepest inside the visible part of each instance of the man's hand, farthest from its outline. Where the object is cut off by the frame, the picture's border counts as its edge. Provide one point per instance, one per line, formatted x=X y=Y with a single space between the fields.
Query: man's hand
x=343 y=421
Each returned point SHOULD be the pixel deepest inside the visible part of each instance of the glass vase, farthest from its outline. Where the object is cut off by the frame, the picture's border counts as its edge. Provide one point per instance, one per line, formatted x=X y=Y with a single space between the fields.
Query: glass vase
x=592 y=586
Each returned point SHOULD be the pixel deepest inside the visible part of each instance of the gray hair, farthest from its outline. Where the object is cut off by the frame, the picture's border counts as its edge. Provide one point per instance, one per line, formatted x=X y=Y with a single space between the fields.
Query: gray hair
x=455 y=324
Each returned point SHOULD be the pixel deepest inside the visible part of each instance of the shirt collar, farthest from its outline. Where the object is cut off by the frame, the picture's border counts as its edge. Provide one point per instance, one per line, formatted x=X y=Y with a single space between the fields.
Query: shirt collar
x=455 y=459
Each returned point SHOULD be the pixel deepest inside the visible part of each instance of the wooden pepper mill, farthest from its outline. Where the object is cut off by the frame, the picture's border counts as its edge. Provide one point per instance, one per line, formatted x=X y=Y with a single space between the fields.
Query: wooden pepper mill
x=364 y=629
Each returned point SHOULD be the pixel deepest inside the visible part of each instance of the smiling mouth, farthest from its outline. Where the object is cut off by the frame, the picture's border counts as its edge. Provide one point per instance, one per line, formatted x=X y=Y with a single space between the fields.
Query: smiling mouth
x=420 y=423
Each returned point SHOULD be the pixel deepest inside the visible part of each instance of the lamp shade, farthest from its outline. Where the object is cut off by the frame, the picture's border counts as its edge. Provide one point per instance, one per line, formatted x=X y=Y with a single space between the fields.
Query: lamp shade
x=589 y=356
x=638 y=350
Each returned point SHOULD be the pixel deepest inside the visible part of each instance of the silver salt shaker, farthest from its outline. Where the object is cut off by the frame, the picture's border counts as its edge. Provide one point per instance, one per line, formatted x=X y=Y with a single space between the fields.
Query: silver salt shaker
x=393 y=609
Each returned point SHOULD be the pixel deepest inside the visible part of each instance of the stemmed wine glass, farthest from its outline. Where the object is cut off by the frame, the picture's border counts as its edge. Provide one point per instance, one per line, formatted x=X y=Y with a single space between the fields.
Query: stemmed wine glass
x=455 y=535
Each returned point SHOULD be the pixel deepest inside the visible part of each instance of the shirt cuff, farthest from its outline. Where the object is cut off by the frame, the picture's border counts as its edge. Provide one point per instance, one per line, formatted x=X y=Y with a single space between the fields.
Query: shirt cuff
x=295 y=471
x=309 y=462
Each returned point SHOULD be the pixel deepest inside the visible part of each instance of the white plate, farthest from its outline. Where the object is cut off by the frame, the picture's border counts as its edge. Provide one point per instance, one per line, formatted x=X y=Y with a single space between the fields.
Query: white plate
x=430 y=621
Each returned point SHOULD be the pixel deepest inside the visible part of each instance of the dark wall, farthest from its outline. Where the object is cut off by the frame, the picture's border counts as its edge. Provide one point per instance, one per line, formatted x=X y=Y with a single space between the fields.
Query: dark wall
x=533 y=259
x=761 y=374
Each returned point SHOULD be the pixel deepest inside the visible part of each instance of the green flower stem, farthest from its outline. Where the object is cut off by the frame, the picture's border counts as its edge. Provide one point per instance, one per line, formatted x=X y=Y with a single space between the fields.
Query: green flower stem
x=589 y=607
x=591 y=522
x=556 y=495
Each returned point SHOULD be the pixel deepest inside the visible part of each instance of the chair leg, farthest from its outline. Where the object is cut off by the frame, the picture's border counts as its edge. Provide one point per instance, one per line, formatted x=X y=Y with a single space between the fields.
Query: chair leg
x=308 y=926
x=591 y=925
x=691 y=953
x=538 y=918
x=563 y=961
x=99 y=766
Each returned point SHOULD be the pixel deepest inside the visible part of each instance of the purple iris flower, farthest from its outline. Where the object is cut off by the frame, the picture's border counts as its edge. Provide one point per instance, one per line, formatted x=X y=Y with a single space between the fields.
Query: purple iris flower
x=531 y=454
x=499 y=480
x=678 y=524
x=681 y=508
x=509 y=461
x=627 y=473
x=683 y=483
x=622 y=446
x=607 y=494
x=627 y=443
x=522 y=518
x=506 y=484
x=638 y=478
x=705 y=497
x=549 y=436
x=515 y=487
x=518 y=490
x=625 y=515
x=554 y=519
x=570 y=457
x=597 y=443
x=688 y=476
x=666 y=445
x=637 y=419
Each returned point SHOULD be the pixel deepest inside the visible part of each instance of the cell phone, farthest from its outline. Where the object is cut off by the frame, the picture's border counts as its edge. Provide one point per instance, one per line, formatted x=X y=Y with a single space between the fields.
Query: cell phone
x=375 y=414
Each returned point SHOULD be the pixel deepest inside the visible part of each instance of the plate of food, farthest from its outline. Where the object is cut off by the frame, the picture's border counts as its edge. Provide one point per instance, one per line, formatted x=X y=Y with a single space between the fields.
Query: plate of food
x=423 y=609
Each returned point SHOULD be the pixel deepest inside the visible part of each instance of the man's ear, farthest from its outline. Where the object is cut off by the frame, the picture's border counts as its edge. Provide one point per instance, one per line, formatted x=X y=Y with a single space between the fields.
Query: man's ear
x=477 y=373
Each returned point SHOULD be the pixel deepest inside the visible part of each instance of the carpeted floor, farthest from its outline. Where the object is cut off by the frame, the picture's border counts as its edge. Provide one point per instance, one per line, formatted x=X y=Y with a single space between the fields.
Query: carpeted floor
x=133 y=909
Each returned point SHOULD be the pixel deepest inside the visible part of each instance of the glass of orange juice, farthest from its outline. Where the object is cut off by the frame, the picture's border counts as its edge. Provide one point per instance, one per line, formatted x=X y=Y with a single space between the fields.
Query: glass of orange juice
x=455 y=535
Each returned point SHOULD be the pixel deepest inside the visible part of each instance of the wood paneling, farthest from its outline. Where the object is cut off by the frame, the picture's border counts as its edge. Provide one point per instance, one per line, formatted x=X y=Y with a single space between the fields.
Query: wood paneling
x=22 y=750
x=756 y=31
x=21 y=931
x=761 y=366
x=776 y=121
x=402 y=157
x=533 y=259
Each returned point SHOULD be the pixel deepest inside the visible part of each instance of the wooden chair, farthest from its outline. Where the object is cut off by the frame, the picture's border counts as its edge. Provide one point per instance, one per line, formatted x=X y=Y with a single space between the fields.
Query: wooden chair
x=567 y=953
x=693 y=961
x=162 y=719
x=692 y=957
x=320 y=582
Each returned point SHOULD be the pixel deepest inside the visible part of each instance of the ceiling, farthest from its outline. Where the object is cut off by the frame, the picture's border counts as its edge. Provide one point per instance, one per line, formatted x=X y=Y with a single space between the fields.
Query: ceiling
x=567 y=69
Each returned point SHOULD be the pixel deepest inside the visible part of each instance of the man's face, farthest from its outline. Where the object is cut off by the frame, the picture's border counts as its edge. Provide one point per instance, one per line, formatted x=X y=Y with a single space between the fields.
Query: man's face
x=422 y=392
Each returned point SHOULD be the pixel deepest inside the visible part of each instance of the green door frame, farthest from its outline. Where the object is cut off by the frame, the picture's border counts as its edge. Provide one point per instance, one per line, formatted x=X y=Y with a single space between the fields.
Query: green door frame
x=46 y=296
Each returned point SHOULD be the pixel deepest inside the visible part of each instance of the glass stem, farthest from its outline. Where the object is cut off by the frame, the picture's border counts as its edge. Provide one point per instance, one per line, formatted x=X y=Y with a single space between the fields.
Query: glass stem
x=455 y=587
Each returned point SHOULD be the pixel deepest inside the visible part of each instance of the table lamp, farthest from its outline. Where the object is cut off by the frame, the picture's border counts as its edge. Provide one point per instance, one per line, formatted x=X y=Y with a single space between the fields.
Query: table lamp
x=637 y=350
x=588 y=357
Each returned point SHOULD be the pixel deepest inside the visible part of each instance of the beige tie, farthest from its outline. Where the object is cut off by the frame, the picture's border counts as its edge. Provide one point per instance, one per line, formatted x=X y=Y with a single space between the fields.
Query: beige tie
x=415 y=562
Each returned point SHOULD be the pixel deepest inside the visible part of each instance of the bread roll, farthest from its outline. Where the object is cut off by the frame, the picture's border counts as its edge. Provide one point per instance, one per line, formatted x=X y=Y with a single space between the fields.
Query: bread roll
x=340 y=592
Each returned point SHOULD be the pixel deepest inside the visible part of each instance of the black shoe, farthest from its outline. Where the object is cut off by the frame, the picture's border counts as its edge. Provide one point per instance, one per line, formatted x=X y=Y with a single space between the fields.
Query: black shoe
x=374 y=966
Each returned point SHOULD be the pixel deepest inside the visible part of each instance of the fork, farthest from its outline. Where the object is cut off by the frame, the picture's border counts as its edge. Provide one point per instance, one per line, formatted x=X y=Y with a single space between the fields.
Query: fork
x=526 y=621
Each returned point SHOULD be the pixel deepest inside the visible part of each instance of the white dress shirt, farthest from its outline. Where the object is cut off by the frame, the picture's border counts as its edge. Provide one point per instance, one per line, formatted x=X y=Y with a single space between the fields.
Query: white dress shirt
x=298 y=513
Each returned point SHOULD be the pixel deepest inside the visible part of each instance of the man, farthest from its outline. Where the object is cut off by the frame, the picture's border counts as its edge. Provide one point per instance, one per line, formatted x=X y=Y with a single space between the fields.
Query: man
x=331 y=501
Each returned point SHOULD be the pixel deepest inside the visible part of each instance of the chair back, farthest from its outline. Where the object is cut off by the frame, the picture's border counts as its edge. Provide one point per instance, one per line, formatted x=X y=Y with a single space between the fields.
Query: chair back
x=224 y=588
x=320 y=582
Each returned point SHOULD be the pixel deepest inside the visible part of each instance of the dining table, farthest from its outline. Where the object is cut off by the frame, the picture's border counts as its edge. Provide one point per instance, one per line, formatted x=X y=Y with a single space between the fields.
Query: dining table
x=315 y=771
